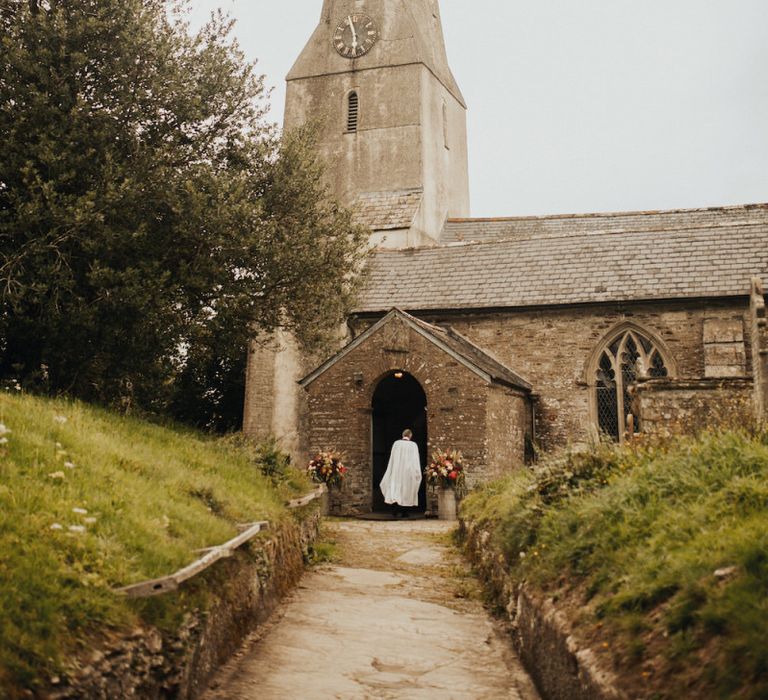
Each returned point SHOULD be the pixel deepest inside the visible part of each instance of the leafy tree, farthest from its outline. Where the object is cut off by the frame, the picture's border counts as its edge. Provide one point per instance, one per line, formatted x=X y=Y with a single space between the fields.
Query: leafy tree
x=151 y=221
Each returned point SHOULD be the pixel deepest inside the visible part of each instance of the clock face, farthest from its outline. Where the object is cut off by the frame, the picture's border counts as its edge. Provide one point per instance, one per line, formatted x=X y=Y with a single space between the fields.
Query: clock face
x=355 y=36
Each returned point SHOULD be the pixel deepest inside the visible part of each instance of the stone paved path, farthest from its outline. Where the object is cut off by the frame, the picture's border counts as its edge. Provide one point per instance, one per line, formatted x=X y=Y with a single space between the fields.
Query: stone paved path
x=397 y=616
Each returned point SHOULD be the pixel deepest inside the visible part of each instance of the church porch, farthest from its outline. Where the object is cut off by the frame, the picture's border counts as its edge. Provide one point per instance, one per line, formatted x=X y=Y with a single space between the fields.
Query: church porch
x=404 y=373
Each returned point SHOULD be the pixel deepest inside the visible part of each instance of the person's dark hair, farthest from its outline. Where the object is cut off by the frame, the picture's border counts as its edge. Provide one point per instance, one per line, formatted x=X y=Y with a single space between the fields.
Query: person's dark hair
x=407 y=433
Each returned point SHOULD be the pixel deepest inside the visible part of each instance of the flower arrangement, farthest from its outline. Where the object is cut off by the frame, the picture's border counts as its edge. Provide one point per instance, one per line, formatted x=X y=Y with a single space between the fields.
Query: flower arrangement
x=447 y=470
x=327 y=468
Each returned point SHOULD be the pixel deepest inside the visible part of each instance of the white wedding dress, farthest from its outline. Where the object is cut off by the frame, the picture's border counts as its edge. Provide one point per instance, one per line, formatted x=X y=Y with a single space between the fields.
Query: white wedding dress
x=403 y=477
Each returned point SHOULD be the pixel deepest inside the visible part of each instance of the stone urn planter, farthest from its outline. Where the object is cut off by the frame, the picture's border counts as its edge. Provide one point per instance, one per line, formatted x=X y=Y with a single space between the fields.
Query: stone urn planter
x=325 y=503
x=335 y=500
x=327 y=468
x=446 y=503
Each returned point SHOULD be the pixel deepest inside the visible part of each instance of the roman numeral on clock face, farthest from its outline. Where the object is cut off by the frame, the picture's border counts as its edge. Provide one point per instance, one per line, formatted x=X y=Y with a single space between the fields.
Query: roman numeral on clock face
x=355 y=35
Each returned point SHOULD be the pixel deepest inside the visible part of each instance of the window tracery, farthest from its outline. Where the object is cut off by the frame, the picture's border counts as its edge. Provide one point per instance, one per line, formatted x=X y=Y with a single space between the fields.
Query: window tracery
x=629 y=357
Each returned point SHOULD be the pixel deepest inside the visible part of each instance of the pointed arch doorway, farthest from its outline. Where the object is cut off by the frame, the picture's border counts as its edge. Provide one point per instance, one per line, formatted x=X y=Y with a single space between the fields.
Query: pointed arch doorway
x=399 y=402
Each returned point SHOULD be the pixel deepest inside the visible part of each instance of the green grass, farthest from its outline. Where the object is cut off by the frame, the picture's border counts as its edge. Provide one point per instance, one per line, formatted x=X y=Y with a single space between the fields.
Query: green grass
x=153 y=496
x=324 y=552
x=635 y=536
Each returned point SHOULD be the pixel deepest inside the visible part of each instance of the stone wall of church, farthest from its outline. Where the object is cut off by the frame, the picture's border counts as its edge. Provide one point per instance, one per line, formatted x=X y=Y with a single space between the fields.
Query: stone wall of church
x=668 y=407
x=552 y=349
x=259 y=390
x=458 y=402
x=758 y=333
x=508 y=426
x=275 y=405
x=380 y=155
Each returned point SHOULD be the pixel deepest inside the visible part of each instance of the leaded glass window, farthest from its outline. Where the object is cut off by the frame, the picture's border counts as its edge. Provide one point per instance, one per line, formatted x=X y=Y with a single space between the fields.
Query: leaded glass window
x=628 y=358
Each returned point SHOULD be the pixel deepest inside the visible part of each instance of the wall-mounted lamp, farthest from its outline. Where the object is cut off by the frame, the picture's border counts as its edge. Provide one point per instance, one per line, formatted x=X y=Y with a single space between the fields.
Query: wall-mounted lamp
x=358 y=377
x=399 y=375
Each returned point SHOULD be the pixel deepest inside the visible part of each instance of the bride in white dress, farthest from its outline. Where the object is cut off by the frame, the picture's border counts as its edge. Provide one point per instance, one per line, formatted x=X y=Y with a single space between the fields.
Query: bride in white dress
x=402 y=480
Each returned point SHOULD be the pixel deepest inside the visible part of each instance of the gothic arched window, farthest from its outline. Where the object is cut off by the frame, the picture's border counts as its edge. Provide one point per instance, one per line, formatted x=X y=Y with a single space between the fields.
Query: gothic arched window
x=353 y=111
x=627 y=358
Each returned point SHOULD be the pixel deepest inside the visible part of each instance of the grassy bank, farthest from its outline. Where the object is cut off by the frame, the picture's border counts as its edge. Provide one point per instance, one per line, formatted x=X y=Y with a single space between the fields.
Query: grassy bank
x=659 y=554
x=89 y=501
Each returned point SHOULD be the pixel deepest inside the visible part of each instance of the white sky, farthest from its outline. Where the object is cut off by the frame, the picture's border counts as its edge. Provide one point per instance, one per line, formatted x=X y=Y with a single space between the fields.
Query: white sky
x=583 y=105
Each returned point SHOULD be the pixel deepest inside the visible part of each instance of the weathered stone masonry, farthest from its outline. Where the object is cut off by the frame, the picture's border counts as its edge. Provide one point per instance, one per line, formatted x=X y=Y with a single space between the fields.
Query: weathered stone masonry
x=486 y=420
x=758 y=326
x=552 y=349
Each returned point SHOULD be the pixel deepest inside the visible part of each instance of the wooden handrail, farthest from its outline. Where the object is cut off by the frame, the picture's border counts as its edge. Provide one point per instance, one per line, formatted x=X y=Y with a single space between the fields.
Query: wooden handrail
x=306 y=500
x=158 y=586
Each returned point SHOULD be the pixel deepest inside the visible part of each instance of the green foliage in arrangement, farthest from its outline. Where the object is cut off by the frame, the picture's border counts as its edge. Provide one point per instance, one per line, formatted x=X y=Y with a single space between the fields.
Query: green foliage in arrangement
x=151 y=220
x=89 y=501
x=663 y=547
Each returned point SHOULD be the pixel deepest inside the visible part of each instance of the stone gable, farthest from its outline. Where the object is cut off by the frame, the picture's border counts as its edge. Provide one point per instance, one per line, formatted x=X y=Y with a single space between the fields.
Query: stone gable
x=483 y=418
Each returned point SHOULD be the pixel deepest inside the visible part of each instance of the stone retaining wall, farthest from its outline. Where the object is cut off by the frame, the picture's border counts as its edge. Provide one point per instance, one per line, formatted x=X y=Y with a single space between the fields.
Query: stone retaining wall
x=542 y=635
x=149 y=664
x=667 y=406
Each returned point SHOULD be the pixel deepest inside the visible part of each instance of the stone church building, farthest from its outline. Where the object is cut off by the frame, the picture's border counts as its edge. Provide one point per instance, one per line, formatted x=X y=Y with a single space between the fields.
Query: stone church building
x=494 y=336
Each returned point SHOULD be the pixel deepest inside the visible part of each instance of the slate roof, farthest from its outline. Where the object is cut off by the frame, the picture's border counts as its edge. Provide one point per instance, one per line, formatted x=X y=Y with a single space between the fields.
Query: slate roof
x=461 y=345
x=466 y=230
x=455 y=344
x=384 y=211
x=567 y=260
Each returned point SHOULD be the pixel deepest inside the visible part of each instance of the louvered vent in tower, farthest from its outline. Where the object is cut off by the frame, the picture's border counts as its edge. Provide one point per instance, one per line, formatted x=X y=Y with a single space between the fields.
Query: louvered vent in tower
x=353 y=111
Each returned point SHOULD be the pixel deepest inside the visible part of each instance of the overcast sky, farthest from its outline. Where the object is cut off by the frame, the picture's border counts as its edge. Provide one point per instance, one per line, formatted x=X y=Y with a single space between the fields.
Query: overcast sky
x=583 y=105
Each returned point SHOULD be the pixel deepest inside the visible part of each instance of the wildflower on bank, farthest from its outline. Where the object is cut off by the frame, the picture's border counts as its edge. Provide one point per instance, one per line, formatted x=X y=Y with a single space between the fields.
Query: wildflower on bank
x=60 y=419
x=57 y=475
x=4 y=430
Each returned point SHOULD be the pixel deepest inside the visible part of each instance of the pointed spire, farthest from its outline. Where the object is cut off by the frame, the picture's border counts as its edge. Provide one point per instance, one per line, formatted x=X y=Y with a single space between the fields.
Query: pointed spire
x=411 y=33
x=326 y=13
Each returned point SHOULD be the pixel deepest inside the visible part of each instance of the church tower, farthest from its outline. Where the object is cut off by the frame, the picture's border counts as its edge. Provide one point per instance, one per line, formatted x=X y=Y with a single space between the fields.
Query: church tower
x=375 y=78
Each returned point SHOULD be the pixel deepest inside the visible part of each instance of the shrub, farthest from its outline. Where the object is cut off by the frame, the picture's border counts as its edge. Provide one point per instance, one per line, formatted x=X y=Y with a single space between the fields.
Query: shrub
x=670 y=537
x=272 y=461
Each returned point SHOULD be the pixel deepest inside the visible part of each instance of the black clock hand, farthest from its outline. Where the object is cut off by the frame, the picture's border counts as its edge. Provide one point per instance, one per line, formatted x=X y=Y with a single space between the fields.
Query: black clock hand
x=354 y=33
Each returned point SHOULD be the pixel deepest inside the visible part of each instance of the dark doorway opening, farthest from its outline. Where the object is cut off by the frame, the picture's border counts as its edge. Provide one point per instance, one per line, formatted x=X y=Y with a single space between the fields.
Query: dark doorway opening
x=399 y=402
